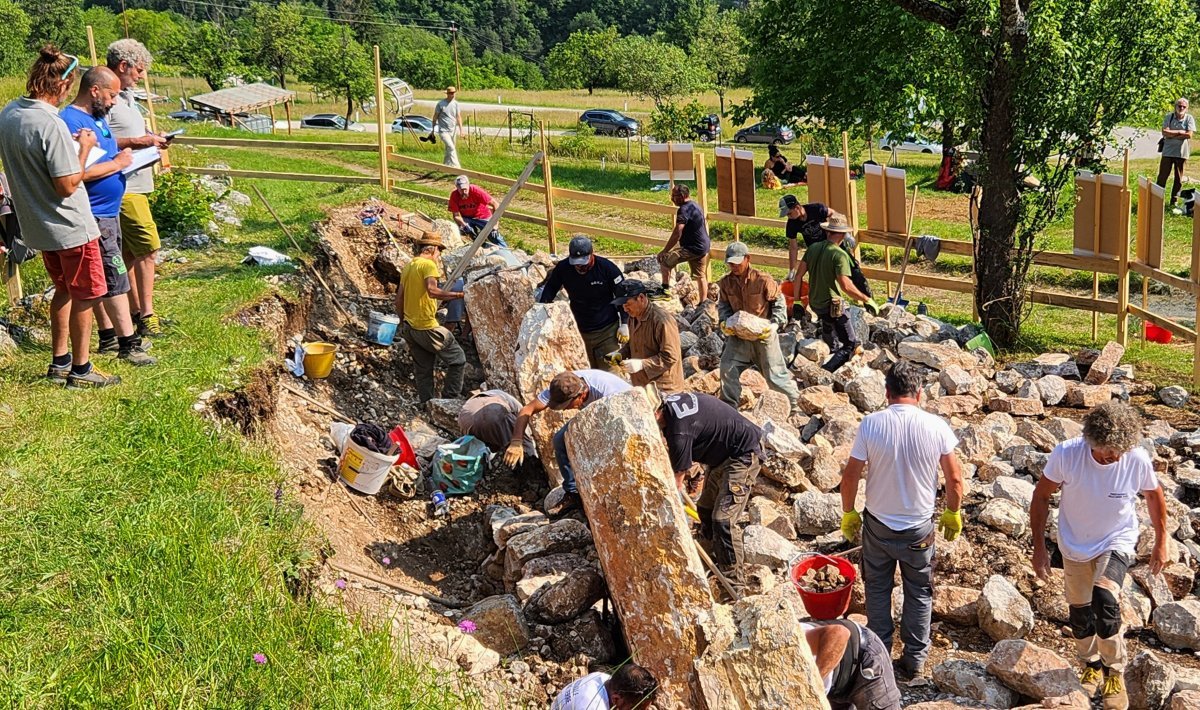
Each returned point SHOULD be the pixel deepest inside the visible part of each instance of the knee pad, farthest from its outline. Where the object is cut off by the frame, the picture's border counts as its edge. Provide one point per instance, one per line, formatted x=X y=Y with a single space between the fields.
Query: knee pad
x=1107 y=612
x=1083 y=623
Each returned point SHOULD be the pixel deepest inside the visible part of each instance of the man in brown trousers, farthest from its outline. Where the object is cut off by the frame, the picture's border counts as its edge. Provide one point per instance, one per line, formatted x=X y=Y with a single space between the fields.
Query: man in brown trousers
x=653 y=352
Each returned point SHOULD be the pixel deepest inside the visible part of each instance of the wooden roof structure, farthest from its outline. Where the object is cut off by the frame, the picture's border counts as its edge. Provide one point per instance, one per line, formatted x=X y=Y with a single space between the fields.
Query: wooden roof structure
x=242 y=99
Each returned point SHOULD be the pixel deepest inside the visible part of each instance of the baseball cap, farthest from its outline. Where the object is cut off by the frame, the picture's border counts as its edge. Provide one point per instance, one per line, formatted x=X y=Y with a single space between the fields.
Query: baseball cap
x=786 y=203
x=580 y=249
x=461 y=181
x=565 y=387
x=736 y=253
x=628 y=289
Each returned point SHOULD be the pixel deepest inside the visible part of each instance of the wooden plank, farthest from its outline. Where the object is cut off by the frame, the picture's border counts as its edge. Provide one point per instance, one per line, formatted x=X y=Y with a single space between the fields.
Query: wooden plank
x=473 y=174
x=548 y=179
x=561 y=193
x=1182 y=331
x=1161 y=276
x=269 y=143
x=940 y=283
x=722 y=216
x=1079 y=303
x=264 y=175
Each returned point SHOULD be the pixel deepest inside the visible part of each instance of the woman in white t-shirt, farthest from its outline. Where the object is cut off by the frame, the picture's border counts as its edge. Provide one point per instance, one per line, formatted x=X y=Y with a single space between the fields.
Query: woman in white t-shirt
x=1100 y=475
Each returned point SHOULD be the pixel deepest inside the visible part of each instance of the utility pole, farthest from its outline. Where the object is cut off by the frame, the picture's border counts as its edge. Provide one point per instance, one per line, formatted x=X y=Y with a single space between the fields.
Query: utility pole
x=457 y=69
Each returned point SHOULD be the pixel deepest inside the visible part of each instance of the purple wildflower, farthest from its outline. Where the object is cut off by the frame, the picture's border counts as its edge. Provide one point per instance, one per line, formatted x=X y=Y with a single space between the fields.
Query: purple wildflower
x=340 y=584
x=260 y=658
x=466 y=626
x=386 y=561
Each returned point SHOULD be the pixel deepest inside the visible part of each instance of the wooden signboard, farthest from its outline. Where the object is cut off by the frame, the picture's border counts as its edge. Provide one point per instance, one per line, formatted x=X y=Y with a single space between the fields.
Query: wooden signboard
x=672 y=162
x=1150 y=223
x=829 y=182
x=735 y=181
x=1098 y=219
x=886 y=204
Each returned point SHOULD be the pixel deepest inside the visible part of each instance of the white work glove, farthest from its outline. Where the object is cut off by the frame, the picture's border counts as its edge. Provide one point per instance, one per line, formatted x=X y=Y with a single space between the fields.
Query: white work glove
x=791 y=276
x=623 y=333
x=633 y=366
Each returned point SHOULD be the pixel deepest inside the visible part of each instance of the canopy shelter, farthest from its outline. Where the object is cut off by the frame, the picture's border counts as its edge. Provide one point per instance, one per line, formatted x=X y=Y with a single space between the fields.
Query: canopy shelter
x=234 y=103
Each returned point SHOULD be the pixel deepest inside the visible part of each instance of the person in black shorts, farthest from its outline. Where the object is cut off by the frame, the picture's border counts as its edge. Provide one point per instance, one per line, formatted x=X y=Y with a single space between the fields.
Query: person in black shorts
x=786 y=172
x=688 y=242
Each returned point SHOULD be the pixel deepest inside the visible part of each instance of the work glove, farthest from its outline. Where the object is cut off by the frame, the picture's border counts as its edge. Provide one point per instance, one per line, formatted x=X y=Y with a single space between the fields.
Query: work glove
x=726 y=329
x=613 y=358
x=951 y=524
x=514 y=454
x=623 y=334
x=871 y=307
x=851 y=524
x=633 y=366
x=766 y=334
x=791 y=275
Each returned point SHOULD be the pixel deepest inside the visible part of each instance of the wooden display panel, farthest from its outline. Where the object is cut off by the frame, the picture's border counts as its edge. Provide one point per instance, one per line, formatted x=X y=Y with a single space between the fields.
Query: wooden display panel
x=1150 y=223
x=886 y=204
x=735 y=182
x=818 y=180
x=1098 y=228
x=672 y=162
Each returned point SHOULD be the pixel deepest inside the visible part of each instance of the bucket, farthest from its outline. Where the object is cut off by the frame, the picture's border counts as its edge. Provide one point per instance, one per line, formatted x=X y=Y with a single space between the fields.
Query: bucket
x=788 y=289
x=318 y=359
x=983 y=340
x=381 y=327
x=1157 y=334
x=364 y=470
x=824 y=605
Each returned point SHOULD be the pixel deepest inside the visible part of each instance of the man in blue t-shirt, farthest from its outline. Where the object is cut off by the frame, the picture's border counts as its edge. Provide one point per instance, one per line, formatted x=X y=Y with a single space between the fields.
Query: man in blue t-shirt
x=689 y=241
x=105 y=184
x=591 y=283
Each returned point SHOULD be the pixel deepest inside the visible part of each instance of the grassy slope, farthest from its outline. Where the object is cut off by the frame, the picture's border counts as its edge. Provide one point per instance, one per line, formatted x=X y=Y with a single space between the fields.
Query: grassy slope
x=143 y=555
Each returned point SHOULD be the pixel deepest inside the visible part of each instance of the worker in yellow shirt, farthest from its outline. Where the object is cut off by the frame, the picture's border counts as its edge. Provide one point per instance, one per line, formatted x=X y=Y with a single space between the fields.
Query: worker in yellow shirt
x=417 y=303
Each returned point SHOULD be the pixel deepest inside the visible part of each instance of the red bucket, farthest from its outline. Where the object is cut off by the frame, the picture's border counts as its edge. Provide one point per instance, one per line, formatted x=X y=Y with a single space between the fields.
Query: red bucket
x=824 y=605
x=407 y=455
x=1155 y=334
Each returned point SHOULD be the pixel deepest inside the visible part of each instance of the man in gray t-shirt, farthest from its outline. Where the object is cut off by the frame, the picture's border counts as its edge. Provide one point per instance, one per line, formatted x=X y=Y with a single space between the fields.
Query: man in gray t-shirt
x=1177 y=130
x=446 y=123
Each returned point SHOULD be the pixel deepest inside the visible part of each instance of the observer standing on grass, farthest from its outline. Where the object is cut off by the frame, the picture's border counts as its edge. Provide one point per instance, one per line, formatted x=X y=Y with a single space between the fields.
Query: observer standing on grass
x=447 y=123
x=130 y=59
x=1177 y=130
x=45 y=171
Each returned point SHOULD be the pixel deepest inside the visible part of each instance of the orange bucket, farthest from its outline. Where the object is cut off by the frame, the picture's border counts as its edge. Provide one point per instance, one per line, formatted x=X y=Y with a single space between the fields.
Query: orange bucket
x=788 y=288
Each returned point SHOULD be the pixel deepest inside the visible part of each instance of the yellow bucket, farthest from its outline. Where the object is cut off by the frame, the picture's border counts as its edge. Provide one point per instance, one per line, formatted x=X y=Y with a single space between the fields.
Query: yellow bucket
x=318 y=359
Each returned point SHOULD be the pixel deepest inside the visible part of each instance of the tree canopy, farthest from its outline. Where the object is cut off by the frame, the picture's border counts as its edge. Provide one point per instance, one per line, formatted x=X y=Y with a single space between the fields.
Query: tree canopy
x=14 y=33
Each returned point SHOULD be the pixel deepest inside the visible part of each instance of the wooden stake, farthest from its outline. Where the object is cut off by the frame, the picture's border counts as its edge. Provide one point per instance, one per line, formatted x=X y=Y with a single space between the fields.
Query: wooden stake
x=287 y=112
x=737 y=231
x=91 y=44
x=150 y=105
x=457 y=68
x=323 y=407
x=1096 y=252
x=702 y=199
x=549 y=182
x=670 y=168
x=380 y=126
x=271 y=112
x=1123 y=263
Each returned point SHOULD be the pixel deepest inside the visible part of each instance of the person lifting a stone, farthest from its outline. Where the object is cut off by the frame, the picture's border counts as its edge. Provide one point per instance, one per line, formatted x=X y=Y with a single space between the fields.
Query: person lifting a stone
x=652 y=354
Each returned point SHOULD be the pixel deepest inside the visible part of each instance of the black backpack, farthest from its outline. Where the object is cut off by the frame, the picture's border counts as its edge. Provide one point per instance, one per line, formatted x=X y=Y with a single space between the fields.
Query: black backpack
x=16 y=250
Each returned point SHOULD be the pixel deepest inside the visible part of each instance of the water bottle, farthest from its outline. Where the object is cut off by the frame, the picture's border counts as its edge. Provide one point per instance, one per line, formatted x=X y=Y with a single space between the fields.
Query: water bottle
x=441 y=506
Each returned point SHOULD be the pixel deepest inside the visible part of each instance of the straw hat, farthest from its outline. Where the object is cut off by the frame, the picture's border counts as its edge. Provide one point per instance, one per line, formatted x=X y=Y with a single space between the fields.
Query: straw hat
x=431 y=239
x=838 y=223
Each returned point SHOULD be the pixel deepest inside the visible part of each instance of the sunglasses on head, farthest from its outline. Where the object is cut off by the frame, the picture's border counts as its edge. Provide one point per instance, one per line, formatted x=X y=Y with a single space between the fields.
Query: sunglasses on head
x=70 y=68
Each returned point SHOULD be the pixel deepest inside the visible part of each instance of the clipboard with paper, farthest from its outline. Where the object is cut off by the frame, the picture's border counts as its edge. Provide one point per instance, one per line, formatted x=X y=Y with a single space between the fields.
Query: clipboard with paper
x=143 y=158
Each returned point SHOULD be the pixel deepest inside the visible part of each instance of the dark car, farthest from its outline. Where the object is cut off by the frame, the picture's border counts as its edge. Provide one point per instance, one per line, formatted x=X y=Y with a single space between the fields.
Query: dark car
x=771 y=133
x=610 y=122
x=330 y=121
x=708 y=129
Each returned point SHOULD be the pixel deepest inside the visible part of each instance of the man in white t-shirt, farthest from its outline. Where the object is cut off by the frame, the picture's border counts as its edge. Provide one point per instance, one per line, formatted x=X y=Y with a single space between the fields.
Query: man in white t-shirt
x=903 y=446
x=630 y=687
x=1100 y=475
x=854 y=665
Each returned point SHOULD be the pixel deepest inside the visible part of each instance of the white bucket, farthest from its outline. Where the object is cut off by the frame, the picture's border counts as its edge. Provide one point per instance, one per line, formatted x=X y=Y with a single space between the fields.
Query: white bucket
x=363 y=469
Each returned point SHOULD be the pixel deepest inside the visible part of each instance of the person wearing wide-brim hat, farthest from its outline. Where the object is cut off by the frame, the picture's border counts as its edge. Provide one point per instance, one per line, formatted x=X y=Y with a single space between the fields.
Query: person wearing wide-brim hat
x=828 y=265
x=417 y=299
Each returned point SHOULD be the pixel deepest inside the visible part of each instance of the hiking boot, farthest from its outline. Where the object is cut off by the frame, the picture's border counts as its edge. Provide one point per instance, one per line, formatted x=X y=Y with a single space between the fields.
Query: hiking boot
x=1091 y=679
x=150 y=326
x=1114 y=696
x=58 y=373
x=137 y=356
x=109 y=346
x=570 y=502
x=93 y=379
x=906 y=669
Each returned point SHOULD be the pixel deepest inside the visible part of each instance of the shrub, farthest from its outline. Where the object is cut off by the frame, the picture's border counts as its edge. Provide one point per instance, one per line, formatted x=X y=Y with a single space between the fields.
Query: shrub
x=180 y=204
x=580 y=144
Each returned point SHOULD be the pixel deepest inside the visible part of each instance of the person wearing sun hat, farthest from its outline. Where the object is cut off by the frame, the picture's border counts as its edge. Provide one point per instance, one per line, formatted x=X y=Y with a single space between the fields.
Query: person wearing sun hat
x=828 y=265
x=428 y=341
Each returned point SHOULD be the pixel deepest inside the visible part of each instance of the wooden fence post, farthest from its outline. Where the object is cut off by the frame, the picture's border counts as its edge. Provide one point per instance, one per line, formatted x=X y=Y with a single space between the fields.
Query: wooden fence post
x=702 y=199
x=1096 y=253
x=380 y=126
x=1123 y=263
x=1196 y=295
x=91 y=44
x=548 y=179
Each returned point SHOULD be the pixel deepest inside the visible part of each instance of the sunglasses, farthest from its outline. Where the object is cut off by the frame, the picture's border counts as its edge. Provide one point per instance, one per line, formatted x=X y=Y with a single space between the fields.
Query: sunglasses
x=72 y=67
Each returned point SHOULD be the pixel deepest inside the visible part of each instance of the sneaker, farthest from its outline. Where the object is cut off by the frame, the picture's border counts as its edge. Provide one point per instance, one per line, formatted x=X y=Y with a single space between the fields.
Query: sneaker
x=1091 y=679
x=1114 y=696
x=58 y=375
x=109 y=346
x=137 y=356
x=93 y=379
x=150 y=326
x=570 y=502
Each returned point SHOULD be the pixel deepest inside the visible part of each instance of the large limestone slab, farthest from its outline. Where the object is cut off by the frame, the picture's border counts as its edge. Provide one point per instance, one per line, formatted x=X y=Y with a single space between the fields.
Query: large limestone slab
x=497 y=304
x=547 y=343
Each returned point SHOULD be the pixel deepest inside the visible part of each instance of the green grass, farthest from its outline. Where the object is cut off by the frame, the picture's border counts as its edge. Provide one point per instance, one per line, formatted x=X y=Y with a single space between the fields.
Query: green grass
x=144 y=559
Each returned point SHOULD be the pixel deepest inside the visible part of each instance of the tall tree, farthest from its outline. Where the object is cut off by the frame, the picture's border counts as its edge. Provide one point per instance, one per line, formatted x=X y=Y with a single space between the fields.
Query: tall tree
x=14 y=34
x=280 y=39
x=210 y=52
x=720 y=48
x=57 y=22
x=340 y=67
x=655 y=70
x=159 y=31
x=583 y=61
x=106 y=28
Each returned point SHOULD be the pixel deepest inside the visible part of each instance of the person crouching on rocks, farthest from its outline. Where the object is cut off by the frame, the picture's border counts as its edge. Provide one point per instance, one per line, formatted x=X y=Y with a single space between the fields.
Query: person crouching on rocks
x=1100 y=475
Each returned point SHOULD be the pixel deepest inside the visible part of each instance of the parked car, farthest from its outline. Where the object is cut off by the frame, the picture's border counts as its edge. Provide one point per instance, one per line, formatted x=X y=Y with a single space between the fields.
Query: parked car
x=418 y=125
x=708 y=129
x=909 y=143
x=611 y=122
x=330 y=121
x=771 y=133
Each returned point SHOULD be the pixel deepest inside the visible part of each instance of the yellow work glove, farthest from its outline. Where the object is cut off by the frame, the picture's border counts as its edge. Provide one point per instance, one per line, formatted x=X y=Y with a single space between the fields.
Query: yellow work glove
x=851 y=524
x=514 y=454
x=614 y=358
x=726 y=329
x=766 y=334
x=951 y=524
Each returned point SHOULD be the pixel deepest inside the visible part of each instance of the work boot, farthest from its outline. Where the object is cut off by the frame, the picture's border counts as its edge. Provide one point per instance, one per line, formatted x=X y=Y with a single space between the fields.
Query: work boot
x=91 y=379
x=58 y=373
x=149 y=326
x=136 y=355
x=109 y=346
x=1114 y=697
x=570 y=502
x=1091 y=679
x=907 y=669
